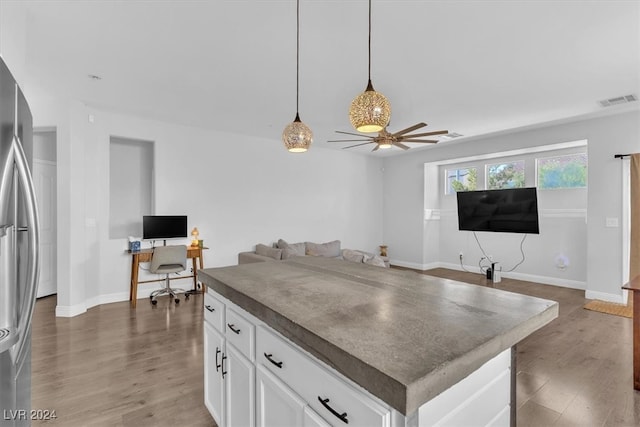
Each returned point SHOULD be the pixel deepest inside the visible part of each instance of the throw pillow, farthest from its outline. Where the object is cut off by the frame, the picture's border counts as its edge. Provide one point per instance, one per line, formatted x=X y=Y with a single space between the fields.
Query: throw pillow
x=376 y=260
x=329 y=249
x=353 y=256
x=267 y=251
x=291 y=249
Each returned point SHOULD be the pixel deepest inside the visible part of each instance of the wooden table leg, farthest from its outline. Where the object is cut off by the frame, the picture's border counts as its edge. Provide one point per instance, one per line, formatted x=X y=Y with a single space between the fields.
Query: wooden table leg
x=195 y=274
x=133 y=292
x=636 y=340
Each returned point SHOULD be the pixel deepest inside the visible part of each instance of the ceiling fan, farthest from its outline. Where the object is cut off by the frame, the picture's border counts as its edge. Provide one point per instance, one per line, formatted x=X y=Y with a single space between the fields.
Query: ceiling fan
x=385 y=139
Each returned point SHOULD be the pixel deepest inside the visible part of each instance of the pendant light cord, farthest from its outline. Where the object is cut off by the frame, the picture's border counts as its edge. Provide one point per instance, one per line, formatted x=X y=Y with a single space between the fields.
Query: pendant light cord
x=369 y=41
x=297 y=56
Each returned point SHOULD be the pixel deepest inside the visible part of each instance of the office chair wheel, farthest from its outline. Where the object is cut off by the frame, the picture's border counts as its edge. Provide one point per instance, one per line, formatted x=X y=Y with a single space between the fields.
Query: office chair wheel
x=177 y=300
x=186 y=296
x=154 y=302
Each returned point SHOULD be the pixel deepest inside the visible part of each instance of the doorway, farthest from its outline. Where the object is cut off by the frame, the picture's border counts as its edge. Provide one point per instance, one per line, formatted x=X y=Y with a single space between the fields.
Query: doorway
x=44 y=181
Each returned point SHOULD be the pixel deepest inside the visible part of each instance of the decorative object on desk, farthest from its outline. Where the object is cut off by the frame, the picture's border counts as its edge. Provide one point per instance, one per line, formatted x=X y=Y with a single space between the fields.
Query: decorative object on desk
x=370 y=111
x=201 y=244
x=134 y=244
x=194 y=234
x=383 y=250
x=297 y=136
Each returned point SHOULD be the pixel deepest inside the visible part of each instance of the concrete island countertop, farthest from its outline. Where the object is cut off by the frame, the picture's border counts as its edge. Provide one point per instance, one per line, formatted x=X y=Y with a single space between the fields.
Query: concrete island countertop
x=404 y=337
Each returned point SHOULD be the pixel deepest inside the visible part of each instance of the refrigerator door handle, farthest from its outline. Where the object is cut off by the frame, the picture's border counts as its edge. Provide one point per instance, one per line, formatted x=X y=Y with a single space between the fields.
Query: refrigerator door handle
x=33 y=266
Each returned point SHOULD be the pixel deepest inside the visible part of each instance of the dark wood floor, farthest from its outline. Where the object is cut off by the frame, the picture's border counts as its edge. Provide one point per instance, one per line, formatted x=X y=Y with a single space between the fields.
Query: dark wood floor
x=117 y=366
x=121 y=367
x=577 y=370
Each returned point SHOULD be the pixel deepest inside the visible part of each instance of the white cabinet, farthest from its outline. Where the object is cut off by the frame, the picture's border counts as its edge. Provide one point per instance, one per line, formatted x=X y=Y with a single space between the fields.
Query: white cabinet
x=239 y=377
x=213 y=381
x=229 y=375
x=254 y=376
x=277 y=404
x=312 y=419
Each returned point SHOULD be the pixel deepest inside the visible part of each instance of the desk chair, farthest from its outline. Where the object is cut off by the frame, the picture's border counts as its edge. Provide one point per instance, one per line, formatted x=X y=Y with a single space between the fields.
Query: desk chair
x=167 y=260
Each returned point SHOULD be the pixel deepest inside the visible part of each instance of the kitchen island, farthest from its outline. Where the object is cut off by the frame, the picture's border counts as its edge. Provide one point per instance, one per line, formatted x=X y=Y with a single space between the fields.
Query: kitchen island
x=395 y=348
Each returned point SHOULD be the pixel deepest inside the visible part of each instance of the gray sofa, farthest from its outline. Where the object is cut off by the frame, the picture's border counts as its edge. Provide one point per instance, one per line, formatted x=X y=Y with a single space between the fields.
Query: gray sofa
x=282 y=250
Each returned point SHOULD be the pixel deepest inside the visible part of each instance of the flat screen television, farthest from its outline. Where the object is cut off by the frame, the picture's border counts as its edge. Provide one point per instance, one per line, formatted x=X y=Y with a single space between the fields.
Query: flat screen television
x=512 y=210
x=159 y=227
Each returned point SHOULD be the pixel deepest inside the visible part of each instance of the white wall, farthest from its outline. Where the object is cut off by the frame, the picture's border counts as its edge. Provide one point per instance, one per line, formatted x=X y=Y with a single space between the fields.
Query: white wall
x=238 y=192
x=405 y=229
x=563 y=228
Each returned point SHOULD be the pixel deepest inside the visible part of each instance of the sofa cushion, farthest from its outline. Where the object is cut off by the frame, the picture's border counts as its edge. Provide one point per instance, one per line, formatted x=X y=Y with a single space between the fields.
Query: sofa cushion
x=376 y=260
x=329 y=249
x=267 y=251
x=353 y=256
x=291 y=249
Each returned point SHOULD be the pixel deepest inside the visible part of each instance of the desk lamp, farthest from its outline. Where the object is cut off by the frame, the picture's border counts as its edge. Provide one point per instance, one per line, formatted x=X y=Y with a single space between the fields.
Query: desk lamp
x=194 y=234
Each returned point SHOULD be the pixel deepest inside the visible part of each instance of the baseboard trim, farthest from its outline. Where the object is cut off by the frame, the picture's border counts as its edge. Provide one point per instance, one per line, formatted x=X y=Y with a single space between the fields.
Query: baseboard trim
x=70 y=310
x=546 y=280
x=605 y=297
x=414 y=265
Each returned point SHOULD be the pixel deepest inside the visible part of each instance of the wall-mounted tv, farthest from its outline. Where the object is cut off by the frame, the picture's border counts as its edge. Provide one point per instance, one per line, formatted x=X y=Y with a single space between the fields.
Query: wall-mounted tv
x=159 y=227
x=512 y=210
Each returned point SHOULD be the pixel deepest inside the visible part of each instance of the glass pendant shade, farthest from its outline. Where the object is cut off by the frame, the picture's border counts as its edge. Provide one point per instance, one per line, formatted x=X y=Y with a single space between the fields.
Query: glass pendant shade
x=370 y=111
x=297 y=136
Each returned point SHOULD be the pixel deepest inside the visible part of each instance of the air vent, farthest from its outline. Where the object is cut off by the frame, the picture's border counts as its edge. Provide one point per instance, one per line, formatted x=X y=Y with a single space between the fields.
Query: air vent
x=618 y=100
x=451 y=135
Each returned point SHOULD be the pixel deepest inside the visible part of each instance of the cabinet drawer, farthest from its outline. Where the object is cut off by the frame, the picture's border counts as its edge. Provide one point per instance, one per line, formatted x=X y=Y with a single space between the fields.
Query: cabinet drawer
x=241 y=333
x=331 y=397
x=214 y=312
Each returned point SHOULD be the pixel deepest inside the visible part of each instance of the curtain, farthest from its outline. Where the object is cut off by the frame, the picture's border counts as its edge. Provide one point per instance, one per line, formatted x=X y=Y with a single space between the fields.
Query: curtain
x=634 y=244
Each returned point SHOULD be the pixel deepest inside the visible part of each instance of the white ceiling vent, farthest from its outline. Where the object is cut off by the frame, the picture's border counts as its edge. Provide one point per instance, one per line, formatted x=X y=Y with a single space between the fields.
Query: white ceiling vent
x=618 y=100
x=451 y=135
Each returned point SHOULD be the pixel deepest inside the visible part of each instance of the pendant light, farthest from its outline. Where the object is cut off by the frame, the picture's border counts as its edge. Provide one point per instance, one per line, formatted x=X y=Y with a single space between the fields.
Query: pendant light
x=297 y=136
x=370 y=111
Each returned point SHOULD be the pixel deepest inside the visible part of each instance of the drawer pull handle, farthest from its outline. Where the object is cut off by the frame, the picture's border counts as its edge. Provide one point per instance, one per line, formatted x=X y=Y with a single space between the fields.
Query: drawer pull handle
x=342 y=417
x=268 y=356
x=223 y=371
x=211 y=309
x=218 y=366
x=231 y=326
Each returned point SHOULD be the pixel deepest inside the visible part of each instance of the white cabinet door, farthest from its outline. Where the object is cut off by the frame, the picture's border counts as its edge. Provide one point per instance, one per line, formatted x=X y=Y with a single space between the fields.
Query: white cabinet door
x=277 y=405
x=239 y=375
x=213 y=382
x=312 y=419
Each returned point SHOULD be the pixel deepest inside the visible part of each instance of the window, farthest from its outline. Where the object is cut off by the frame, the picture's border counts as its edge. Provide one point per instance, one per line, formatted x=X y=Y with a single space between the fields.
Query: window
x=568 y=171
x=505 y=175
x=461 y=180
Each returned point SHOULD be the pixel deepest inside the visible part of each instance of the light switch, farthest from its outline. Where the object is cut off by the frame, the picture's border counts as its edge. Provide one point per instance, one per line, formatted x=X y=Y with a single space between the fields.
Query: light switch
x=611 y=222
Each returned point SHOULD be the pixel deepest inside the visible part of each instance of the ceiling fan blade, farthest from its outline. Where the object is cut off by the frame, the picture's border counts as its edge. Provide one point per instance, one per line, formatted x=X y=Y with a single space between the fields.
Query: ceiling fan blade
x=404 y=147
x=430 y=141
x=410 y=129
x=417 y=135
x=347 y=140
x=356 y=134
x=376 y=148
x=357 y=145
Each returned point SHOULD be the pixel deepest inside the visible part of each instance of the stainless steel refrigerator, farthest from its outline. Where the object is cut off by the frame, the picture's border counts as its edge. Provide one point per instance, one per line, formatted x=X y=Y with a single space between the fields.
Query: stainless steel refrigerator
x=19 y=267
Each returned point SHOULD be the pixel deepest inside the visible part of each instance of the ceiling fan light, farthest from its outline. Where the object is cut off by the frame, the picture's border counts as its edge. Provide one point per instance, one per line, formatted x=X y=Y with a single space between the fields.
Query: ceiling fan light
x=384 y=145
x=297 y=136
x=370 y=111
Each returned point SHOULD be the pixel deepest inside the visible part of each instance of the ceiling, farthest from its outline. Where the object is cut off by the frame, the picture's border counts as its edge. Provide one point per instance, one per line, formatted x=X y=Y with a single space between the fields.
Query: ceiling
x=469 y=66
